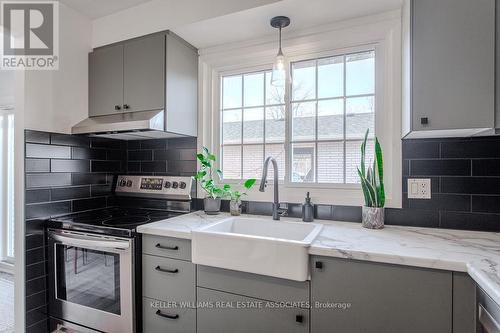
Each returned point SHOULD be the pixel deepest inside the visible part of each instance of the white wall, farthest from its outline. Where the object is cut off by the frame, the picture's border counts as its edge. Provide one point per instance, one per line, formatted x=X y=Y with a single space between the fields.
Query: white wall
x=56 y=100
x=158 y=15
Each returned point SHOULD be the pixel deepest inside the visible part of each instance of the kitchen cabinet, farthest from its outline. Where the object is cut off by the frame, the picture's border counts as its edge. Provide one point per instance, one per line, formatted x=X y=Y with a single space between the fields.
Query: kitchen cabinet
x=144 y=74
x=356 y=297
x=154 y=72
x=497 y=65
x=168 y=285
x=464 y=303
x=106 y=80
x=451 y=67
x=234 y=313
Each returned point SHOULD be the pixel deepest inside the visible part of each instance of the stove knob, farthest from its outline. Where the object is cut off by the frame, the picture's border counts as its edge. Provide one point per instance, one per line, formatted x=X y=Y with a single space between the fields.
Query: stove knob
x=129 y=183
x=122 y=182
x=168 y=184
x=182 y=185
x=175 y=184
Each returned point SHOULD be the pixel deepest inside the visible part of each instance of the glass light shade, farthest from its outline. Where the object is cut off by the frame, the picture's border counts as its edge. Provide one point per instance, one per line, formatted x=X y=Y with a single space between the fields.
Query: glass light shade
x=278 y=75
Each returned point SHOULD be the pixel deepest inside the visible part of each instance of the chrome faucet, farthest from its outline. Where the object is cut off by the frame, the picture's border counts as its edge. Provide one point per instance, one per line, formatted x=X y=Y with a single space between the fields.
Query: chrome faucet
x=277 y=211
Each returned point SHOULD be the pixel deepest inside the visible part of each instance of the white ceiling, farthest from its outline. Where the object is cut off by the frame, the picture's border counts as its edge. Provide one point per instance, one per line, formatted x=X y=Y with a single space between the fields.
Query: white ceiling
x=253 y=23
x=98 y=8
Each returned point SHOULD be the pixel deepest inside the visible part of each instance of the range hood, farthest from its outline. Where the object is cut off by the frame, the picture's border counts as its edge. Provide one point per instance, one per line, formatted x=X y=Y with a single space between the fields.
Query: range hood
x=126 y=126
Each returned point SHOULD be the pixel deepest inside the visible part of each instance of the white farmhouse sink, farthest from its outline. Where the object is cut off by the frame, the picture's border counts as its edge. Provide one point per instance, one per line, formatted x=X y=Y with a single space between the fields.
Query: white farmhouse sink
x=256 y=245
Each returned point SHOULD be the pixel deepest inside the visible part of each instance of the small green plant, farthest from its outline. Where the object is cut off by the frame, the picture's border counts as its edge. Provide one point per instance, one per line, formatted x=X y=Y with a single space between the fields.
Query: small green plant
x=372 y=178
x=206 y=175
x=236 y=195
x=212 y=187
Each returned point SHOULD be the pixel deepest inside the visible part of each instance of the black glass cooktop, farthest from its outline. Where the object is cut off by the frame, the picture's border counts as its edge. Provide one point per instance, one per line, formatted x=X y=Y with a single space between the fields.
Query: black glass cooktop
x=117 y=221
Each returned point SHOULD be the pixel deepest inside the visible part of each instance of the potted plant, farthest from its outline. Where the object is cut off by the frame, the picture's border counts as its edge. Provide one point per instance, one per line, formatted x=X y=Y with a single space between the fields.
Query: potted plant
x=214 y=191
x=372 y=183
x=235 y=195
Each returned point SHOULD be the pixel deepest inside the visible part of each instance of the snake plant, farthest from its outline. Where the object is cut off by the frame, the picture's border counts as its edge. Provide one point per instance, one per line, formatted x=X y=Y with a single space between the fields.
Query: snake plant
x=372 y=178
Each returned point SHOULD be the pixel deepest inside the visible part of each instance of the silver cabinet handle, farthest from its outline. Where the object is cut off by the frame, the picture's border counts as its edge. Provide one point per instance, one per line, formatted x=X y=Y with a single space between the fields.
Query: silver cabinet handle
x=487 y=321
x=166 y=247
x=82 y=241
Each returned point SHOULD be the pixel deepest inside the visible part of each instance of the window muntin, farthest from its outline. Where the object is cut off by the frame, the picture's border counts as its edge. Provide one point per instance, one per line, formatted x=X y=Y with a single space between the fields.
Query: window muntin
x=332 y=105
x=253 y=124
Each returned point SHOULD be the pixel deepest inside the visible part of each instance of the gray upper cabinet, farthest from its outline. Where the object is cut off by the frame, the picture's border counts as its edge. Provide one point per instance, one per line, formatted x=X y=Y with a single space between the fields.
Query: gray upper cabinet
x=382 y=298
x=144 y=74
x=452 y=67
x=106 y=80
x=154 y=72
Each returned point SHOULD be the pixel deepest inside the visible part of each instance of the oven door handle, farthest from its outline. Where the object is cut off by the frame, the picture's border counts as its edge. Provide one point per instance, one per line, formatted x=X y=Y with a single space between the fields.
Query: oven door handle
x=91 y=242
x=487 y=321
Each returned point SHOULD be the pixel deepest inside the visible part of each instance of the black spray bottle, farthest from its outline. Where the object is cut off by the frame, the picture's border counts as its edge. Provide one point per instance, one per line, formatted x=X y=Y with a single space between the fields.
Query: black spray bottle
x=307 y=210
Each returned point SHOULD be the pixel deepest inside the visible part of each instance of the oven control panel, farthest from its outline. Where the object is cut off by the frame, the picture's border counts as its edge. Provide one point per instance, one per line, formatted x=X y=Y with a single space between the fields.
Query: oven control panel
x=165 y=187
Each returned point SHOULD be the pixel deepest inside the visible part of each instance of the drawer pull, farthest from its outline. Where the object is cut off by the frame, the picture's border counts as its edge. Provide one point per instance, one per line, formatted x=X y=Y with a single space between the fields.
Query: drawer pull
x=163 y=247
x=164 y=315
x=159 y=269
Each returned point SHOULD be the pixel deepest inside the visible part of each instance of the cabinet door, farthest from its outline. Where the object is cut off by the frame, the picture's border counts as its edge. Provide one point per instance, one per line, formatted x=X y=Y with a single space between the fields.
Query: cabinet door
x=464 y=303
x=497 y=65
x=453 y=50
x=106 y=81
x=144 y=74
x=348 y=296
x=228 y=313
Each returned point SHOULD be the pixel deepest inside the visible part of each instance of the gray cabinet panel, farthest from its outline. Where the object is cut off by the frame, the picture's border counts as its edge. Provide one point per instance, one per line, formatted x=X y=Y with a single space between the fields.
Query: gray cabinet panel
x=105 y=80
x=497 y=65
x=253 y=285
x=257 y=317
x=181 y=87
x=144 y=73
x=183 y=321
x=166 y=247
x=464 y=304
x=168 y=280
x=453 y=64
x=384 y=298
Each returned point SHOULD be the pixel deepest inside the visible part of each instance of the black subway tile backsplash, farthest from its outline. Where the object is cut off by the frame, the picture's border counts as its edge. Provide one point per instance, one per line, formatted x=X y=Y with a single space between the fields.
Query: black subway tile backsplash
x=69 y=166
x=37 y=165
x=47 y=151
x=468 y=173
x=47 y=179
x=81 y=153
x=69 y=140
x=440 y=167
x=66 y=193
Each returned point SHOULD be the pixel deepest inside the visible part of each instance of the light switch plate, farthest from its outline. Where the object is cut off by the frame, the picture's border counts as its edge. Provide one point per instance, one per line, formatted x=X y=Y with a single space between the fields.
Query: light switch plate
x=419 y=188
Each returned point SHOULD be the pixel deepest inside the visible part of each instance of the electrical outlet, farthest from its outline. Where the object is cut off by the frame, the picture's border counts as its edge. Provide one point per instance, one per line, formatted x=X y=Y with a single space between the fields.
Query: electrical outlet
x=419 y=188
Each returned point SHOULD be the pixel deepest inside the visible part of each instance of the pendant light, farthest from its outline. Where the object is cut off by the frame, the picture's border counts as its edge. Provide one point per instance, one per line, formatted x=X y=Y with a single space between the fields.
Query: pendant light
x=278 y=75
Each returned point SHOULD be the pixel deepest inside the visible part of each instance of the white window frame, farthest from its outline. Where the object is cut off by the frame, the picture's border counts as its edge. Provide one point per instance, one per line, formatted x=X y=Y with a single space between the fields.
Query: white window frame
x=288 y=116
x=381 y=33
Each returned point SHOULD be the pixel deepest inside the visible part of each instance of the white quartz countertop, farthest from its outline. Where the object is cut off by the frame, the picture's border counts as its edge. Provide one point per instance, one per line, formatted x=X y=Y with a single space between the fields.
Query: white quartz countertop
x=477 y=253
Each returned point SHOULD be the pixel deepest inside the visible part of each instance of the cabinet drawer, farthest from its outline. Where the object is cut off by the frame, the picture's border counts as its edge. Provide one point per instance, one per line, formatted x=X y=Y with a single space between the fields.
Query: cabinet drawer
x=168 y=279
x=169 y=247
x=253 y=285
x=259 y=316
x=156 y=320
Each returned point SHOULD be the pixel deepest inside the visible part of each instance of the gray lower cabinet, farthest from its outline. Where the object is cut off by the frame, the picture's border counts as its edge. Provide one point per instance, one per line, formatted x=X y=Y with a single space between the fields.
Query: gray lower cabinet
x=228 y=313
x=168 y=279
x=464 y=303
x=162 y=317
x=349 y=296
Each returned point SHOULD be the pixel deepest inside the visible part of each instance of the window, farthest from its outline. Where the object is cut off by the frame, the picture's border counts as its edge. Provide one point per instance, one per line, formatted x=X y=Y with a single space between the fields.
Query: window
x=253 y=124
x=7 y=184
x=331 y=104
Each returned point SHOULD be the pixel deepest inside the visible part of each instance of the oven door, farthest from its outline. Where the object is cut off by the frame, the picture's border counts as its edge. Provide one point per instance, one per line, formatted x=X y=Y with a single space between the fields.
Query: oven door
x=488 y=313
x=91 y=280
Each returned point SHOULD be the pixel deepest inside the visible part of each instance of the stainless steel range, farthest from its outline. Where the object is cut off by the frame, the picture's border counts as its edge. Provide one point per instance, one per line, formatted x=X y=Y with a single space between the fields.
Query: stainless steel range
x=94 y=257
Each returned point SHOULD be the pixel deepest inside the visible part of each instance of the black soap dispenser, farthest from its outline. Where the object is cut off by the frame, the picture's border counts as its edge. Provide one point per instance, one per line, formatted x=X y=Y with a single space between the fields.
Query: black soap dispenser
x=307 y=210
